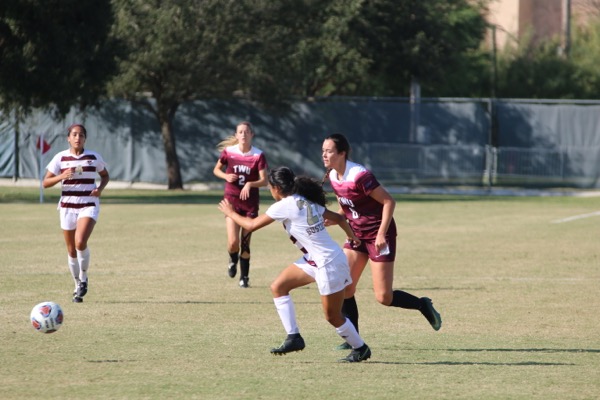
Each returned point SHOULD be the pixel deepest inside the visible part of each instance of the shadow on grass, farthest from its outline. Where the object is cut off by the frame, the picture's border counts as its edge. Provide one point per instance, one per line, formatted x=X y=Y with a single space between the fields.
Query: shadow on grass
x=183 y=302
x=126 y=196
x=539 y=350
x=494 y=364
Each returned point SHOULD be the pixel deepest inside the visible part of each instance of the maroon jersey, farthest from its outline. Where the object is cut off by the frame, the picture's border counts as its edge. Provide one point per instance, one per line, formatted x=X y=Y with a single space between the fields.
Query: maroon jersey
x=246 y=166
x=362 y=211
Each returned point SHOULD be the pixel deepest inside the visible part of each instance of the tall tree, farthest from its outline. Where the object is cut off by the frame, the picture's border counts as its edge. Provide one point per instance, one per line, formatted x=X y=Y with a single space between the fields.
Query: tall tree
x=177 y=51
x=54 y=53
x=415 y=39
x=182 y=50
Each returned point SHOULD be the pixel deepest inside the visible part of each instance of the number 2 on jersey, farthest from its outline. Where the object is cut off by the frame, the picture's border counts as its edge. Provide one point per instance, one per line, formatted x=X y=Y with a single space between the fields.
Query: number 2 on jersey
x=312 y=217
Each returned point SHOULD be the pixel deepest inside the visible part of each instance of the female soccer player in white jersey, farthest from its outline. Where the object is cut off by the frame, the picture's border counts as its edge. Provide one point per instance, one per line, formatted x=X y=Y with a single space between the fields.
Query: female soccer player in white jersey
x=300 y=206
x=244 y=169
x=79 y=205
x=369 y=209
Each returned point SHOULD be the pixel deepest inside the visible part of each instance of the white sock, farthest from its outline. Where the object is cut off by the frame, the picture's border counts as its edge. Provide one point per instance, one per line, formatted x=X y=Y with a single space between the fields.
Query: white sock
x=287 y=313
x=74 y=267
x=348 y=332
x=83 y=256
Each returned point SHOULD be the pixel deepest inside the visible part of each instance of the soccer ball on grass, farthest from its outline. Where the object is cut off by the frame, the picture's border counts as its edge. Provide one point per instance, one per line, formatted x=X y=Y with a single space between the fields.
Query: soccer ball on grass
x=47 y=317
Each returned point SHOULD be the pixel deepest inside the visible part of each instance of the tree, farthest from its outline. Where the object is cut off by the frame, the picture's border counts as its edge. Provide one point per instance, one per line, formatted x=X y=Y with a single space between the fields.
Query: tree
x=413 y=39
x=54 y=53
x=182 y=50
x=177 y=51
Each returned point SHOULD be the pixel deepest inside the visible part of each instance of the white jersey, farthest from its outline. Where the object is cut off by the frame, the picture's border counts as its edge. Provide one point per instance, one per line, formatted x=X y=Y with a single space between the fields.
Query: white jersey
x=76 y=191
x=304 y=222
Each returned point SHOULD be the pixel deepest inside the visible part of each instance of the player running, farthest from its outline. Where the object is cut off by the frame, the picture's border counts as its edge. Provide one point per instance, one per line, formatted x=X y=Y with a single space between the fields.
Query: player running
x=300 y=206
x=369 y=209
x=79 y=205
x=243 y=167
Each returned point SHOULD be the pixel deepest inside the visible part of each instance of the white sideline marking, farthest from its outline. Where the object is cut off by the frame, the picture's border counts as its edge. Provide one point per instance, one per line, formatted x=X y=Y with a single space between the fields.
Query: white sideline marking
x=576 y=217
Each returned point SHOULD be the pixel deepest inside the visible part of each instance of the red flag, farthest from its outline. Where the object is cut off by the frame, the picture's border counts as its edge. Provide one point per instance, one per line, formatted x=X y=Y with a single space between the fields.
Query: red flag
x=45 y=147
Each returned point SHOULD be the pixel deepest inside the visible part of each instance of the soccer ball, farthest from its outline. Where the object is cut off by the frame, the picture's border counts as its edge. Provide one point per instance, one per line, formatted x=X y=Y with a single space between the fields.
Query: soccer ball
x=47 y=317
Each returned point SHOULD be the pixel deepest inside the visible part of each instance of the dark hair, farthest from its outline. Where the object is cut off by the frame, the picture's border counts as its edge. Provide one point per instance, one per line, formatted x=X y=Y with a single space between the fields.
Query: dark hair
x=288 y=183
x=76 y=125
x=341 y=143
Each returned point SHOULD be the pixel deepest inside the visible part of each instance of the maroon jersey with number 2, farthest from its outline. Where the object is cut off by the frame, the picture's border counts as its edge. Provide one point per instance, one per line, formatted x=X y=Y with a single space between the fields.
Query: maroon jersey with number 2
x=246 y=166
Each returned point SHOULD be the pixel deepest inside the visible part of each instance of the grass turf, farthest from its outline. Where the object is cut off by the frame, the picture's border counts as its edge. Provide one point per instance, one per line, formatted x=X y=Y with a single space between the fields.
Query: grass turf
x=516 y=289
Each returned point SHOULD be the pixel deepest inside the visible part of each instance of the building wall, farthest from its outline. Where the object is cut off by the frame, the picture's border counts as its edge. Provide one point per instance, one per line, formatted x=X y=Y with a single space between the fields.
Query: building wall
x=517 y=20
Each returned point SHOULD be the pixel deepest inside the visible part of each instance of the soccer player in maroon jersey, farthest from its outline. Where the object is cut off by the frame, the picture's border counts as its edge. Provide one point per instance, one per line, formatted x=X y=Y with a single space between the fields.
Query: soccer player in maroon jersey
x=369 y=209
x=243 y=167
x=79 y=205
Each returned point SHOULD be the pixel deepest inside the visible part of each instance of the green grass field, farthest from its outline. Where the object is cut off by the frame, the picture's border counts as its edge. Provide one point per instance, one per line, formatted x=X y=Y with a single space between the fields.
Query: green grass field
x=518 y=293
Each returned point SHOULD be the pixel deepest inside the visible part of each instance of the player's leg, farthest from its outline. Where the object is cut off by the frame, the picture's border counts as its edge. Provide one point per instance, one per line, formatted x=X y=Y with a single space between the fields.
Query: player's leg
x=357 y=260
x=233 y=245
x=85 y=227
x=383 y=279
x=72 y=261
x=331 y=281
x=68 y=223
x=289 y=279
x=245 y=239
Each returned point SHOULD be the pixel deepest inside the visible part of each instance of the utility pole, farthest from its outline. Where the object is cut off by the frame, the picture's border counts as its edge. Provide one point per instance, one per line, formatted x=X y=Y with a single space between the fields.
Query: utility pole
x=566 y=28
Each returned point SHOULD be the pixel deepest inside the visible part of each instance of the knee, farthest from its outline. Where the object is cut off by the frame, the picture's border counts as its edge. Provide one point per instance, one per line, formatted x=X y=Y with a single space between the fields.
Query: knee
x=384 y=298
x=277 y=290
x=334 y=318
x=233 y=246
x=80 y=244
x=349 y=291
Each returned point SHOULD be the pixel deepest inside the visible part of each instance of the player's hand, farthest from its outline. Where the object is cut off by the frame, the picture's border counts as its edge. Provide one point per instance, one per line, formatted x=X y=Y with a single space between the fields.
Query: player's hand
x=354 y=241
x=68 y=174
x=328 y=222
x=231 y=178
x=225 y=207
x=245 y=192
x=381 y=244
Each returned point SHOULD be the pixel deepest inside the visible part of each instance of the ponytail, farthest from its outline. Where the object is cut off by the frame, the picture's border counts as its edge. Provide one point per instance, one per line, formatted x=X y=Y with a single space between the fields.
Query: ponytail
x=229 y=141
x=326 y=176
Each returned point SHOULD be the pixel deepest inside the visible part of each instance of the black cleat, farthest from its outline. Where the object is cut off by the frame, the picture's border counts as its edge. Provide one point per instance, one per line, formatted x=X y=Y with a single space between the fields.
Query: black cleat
x=289 y=345
x=232 y=269
x=357 y=355
x=77 y=299
x=430 y=313
x=82 y=288
x=244 y=282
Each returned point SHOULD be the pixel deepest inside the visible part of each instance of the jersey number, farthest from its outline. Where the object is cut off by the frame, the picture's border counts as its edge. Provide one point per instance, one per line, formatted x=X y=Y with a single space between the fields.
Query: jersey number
x=312 y=217
x=241 y=180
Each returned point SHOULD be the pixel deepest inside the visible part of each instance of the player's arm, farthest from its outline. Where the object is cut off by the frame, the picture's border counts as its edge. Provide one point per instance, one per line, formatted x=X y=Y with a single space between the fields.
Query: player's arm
x=329 y=222
x=250 y=224
x=262 y=181
x=389 y=205
x=104 y=178
x=219 y=173
x=336 y=218
x=51 y=179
